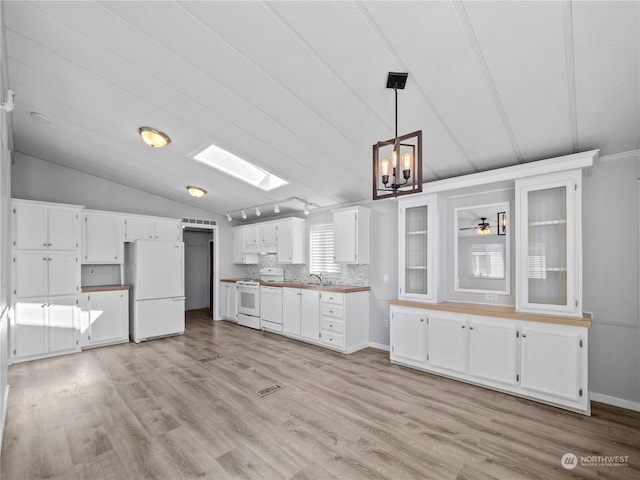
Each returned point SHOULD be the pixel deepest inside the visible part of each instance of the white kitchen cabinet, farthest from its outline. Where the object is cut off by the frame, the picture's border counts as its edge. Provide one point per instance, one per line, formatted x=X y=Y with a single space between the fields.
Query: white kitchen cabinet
x=493 y=351
x=268 y=234
x=417 y=244
x=38 y=274
x=549 y=244
x=344 y=320
x=250 y=236
x=542 y=361
x=310 y=314
x=409 y=337
x=45 y=226
x=448 y=342
x=291 y=311
x=239 y=255
x=228 y=297
x=140 y=227
x=351 y=244
x=42 y=327
x=551 y=363
x=301 y=313
x=105 y=318
x=292 y=240
x=102 y=238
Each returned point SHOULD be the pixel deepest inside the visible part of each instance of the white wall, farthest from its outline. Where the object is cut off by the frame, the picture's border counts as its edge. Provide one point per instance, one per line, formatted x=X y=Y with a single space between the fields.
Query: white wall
x=37 y=179
x=611 y=288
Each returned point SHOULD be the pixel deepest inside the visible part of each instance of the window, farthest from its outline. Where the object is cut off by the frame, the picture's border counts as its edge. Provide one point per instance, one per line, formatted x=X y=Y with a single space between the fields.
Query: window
x=321 y=237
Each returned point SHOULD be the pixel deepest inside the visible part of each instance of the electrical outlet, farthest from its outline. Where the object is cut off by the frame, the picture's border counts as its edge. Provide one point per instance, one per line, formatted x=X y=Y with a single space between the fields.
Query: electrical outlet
x=92 y=271
x=386 y=323
x=492 y=296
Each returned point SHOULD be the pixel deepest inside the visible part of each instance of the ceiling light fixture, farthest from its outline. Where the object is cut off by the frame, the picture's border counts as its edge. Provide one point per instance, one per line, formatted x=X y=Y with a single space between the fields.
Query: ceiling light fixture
x=41 y=117
x=229 y=216
x=276 y=207
x=196 y=192
x=402 y=175
x=243 y=214
x=154 y=138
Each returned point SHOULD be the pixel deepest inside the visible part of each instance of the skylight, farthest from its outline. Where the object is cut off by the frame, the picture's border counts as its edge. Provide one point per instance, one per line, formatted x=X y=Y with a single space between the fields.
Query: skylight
x=230 y=164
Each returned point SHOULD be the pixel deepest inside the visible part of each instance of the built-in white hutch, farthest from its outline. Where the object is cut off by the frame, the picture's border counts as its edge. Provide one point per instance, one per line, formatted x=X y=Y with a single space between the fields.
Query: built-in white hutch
x=490 y=281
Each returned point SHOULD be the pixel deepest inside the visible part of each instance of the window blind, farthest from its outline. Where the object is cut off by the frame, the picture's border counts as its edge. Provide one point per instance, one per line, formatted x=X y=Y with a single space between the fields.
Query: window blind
x=322 y=249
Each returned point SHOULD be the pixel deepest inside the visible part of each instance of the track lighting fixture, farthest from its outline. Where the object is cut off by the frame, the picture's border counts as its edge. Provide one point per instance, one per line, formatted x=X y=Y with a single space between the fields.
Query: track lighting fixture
x=229 y=216
x=258 y=212
x=243 y=214
x=276 y=207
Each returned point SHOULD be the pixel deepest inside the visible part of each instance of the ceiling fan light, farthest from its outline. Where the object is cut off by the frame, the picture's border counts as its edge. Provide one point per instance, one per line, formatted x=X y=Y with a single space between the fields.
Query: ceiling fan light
x=154 y=138
x=196 y=192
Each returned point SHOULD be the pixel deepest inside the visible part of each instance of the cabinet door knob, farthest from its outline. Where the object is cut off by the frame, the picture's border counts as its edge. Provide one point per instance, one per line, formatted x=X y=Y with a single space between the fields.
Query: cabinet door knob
x=463 y=326
x=44 y=244
x=470 y=328
x=524 y=335
x=422 y=319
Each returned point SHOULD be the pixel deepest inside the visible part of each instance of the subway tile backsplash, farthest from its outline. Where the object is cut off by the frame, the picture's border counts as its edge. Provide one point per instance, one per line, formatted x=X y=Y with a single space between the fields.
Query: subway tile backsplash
x=349 y=274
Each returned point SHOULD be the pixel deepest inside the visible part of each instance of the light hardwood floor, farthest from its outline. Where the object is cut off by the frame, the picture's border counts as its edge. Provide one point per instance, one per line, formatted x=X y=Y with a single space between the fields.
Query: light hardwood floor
x=186 y=407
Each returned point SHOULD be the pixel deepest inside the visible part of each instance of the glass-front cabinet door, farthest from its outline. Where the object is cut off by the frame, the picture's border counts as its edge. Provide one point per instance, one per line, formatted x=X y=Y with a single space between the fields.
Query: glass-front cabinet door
x=548 y=243
x=416 y=240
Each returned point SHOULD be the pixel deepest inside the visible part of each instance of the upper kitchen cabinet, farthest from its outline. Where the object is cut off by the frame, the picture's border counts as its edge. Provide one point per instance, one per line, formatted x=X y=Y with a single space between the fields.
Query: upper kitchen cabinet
x=239 y=248
x=45 y=226
x=140 y=227
x=351 y=235
x=549 y=244
x=417 y=218
x=291 y=240
x=103 y=237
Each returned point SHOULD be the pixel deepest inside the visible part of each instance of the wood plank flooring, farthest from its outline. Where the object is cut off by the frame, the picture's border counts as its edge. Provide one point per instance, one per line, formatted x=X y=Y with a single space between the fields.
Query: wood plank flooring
x=186 y=407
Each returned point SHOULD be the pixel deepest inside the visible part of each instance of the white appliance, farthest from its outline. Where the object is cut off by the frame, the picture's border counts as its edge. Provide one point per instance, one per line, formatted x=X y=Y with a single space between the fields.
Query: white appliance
x=155 y=271
x=271 y=299
x=248 y=303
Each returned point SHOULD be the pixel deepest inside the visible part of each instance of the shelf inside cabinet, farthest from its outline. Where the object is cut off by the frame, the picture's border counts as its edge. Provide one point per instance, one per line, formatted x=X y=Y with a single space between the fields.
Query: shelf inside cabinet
x=541 y=223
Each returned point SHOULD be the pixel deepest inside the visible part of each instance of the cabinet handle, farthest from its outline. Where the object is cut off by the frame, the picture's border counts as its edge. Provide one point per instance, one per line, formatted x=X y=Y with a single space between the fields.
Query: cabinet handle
x=50 y=244
x=422 y=319
x=524 y=335
x=44 y=244
x=470 y=328
x=463 y=326
x=44 y=259
x=330 y=325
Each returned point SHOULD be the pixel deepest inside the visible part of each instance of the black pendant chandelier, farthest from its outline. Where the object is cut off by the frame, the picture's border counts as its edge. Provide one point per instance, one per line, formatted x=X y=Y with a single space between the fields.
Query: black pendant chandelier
x=397 y=163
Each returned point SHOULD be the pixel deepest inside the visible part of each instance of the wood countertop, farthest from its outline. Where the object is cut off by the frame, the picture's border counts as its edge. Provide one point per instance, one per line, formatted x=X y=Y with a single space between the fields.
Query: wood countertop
x=104 y=288
x=495 y=311
x=326 y=288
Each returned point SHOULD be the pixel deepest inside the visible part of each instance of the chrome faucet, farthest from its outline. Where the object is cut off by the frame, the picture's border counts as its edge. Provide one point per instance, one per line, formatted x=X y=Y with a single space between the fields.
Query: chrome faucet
x=318 y=276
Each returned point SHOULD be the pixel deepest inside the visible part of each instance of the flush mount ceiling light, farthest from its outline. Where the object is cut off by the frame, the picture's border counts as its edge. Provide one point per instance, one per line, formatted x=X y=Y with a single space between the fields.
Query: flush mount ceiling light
x=397 y=163
x=196 y=192
x=40 y=117
x=235 y=166
x=154 y=138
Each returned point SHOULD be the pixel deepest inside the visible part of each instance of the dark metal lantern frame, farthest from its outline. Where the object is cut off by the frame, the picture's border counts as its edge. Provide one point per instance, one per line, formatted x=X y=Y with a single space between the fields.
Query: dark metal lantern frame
x=398 y=181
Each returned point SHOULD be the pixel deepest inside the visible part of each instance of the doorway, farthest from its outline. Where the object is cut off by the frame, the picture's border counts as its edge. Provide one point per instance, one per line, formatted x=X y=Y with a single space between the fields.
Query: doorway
x=199 y=268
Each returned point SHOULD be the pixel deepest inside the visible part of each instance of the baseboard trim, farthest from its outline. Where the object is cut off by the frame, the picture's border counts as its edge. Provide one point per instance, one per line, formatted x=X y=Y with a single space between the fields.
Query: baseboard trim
x=378 y=346
x=615 y=401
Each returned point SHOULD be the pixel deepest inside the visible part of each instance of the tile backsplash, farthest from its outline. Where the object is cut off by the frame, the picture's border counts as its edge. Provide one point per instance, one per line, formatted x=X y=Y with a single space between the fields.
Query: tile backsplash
x=349 y=274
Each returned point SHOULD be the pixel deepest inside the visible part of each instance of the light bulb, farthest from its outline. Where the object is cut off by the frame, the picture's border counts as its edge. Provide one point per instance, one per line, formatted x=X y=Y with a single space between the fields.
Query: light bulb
x=306 y=209
x=394 y=159
x=258 y=212
x=244 y=215
x=384 y=166
x=276 y=209
x=406 y=161
x=229 y=216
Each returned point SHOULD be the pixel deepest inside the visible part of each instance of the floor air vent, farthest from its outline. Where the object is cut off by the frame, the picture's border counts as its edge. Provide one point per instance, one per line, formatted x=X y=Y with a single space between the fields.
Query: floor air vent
x=266 y=391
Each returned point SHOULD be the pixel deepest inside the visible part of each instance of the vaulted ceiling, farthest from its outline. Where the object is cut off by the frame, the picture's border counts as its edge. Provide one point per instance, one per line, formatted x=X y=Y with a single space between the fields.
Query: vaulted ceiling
x=298 y=88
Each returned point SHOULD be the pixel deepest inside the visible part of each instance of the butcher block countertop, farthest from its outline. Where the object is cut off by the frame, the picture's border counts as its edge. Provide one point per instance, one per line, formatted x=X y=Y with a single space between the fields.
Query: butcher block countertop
x=495 y=311
x=326 y=288
x=104 y=288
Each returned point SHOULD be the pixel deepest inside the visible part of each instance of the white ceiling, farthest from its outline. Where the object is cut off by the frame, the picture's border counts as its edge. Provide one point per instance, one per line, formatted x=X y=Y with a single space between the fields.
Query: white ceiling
x=299 y=88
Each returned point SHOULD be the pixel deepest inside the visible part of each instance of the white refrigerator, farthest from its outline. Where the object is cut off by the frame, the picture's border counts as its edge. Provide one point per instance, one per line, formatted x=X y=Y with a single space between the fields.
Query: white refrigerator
x=155 y=272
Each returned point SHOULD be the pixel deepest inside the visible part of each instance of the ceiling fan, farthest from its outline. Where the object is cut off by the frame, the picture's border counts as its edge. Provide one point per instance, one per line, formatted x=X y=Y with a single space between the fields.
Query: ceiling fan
x=482 y=228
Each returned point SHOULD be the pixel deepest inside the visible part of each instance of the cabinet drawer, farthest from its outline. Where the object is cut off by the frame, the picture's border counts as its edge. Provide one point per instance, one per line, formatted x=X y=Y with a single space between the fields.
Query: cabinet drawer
x=333 y=339
x=329 y=310
x=333 y=297
x=332 y=325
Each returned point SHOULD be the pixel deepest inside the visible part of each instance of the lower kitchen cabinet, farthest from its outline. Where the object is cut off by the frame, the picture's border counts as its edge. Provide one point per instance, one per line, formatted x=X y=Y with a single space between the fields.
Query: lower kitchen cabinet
x=546 y=362
x=105 y=318
x=44 y=327
x=301 y=313
x=335 y=320
x=228 y=301
x=409 y=337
